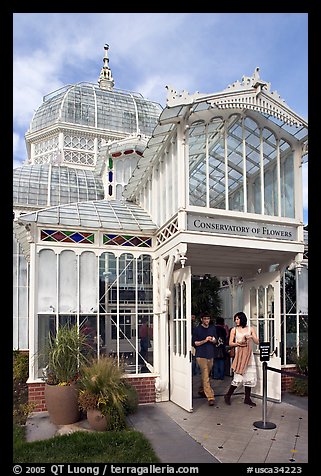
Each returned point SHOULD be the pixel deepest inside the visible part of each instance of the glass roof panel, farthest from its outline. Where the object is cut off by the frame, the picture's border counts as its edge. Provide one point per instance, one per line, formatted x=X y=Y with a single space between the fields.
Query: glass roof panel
x=291 y=129
x=65 y=184
x=171 y=112
x=119 y=215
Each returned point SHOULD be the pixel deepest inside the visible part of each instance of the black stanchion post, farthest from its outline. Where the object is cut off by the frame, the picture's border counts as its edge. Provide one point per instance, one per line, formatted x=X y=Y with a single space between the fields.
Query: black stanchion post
x=264 y=356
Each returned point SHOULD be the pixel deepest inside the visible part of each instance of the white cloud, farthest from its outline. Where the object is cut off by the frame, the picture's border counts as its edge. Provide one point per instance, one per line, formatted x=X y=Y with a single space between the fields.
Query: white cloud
x=19 y=150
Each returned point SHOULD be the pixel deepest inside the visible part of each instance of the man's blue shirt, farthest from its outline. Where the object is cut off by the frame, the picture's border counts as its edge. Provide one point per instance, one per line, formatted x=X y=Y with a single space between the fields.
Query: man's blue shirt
x=200 y=333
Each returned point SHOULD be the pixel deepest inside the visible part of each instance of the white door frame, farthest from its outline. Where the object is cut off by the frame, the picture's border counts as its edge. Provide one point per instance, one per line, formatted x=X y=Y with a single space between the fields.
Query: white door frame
x=180 y=339
x=262 y=306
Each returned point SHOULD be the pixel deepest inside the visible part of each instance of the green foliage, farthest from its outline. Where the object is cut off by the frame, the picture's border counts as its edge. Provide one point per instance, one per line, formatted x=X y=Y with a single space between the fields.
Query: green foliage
x=20 y=366
x=88 y=401
x=132 y=399
x=103 y=379
x=299 y=386
x=19 y=434
x=21 y=412
x=206 y=297
x=302 y=361
x=21 y=408
x=66 y=355
x=125 y=446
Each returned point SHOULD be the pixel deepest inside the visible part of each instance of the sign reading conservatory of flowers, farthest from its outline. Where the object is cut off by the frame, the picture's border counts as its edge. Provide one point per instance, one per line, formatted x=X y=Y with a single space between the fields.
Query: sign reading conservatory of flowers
x=238 y=227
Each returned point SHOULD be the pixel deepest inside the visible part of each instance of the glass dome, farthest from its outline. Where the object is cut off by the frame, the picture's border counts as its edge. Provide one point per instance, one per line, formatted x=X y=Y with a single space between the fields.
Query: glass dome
x=88 y=105
x=45 y=185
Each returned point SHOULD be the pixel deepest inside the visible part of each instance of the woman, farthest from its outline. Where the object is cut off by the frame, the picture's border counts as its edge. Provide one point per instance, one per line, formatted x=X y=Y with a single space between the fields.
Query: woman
x=241 y=337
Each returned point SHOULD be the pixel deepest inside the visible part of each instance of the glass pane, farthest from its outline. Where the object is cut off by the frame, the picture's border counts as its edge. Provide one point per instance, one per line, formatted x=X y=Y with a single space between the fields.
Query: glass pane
x=303 y=331
x=216 y=163
x=252 y=149
x=287 y=180
x=47 y=282
x=146 y=340
x=235 y=163
x=253 y=309
x=270 y=173
x=46 y=325
x=88 y=326
x=107 y=281
x=261 y=302
x=174 y=319
x=68 y=274
x=302 y=298
x=184 y=349
x=291 y=333
x=125 y=308
x=197 y=165
x=178 y=322
x=88 y=274
x=270 y=316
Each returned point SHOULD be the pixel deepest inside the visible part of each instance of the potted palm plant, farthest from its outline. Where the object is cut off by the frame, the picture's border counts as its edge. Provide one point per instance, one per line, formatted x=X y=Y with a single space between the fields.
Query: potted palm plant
x=103 y=394
x=65 y=355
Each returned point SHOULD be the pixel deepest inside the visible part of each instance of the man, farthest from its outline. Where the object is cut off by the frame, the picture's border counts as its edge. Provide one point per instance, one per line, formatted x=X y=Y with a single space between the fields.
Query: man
x=204 y=336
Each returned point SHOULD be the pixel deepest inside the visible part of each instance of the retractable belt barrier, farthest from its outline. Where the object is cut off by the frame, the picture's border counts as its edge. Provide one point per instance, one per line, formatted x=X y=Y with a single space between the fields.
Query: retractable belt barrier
x=264 y=358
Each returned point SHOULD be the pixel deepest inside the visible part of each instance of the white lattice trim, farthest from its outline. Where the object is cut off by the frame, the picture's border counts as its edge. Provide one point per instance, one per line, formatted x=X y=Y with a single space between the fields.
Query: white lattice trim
x=261 y=102
x=167 y=231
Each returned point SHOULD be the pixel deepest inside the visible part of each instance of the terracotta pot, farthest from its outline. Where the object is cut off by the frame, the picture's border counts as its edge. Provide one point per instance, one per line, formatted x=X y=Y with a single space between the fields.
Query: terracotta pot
x=97 y=420
x=62 y=404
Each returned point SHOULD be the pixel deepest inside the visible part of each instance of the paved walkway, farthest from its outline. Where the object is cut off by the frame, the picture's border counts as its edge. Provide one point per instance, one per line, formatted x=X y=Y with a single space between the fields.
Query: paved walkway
x=227 y=433
x=218 y=434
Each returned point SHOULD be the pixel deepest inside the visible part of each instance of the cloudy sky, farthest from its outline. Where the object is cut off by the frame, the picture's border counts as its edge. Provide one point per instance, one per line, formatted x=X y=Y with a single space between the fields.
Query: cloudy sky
x=202 y=52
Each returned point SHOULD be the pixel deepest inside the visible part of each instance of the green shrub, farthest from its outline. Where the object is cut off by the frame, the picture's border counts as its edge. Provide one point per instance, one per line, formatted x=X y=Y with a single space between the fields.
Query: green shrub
x=20 y=366
x=103 y=381
x=66 y=354
x=21 y=408
x=132 y=399
x=299 y=387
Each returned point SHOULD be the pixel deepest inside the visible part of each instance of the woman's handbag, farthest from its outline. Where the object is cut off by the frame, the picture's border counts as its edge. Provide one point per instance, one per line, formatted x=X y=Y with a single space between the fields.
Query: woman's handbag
x=231 y=352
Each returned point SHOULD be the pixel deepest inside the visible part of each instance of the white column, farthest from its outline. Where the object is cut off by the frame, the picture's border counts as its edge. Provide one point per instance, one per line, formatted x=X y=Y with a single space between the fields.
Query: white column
x=161 y=362
x=33 y=325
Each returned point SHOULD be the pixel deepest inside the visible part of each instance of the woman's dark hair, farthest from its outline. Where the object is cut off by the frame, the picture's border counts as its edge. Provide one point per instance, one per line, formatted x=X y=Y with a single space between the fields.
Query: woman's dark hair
x=220 y=320
x=242 y=316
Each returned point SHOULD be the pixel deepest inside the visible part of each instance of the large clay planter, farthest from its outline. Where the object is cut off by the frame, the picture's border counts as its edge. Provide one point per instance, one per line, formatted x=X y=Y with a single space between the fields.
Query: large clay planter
x=62 y=403
x=97 y=420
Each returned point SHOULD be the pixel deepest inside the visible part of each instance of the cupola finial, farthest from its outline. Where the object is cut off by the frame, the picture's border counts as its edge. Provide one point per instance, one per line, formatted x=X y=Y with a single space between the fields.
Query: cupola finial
x=106 y=80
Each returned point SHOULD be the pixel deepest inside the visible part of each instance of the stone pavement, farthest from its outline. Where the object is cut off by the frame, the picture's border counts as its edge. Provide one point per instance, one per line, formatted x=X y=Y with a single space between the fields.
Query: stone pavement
x=218 y=434
x=228 y=433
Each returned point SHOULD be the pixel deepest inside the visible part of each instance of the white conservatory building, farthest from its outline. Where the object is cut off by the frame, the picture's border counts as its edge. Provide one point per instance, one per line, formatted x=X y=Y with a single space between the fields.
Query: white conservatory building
x=121 y=202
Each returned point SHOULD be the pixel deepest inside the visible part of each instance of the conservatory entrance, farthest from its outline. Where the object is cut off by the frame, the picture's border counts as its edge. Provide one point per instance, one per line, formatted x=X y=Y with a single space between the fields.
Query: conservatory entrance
x=261 y=303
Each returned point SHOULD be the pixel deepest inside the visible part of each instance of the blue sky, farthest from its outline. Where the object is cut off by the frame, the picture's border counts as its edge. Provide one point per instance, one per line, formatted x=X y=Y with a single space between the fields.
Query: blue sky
x=202 y=52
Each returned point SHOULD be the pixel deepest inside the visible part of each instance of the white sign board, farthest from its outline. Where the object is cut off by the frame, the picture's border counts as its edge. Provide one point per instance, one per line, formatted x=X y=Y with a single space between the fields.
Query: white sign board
x=240 y=227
